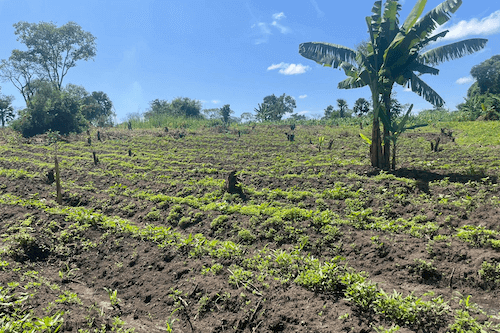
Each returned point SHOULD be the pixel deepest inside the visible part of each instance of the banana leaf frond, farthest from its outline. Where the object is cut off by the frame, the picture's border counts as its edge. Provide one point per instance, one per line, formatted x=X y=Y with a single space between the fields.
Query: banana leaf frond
x=414 y=15
x=351 y=83
x=452 y=51
x=423 y=89
x=326 y=54
x=436 y=17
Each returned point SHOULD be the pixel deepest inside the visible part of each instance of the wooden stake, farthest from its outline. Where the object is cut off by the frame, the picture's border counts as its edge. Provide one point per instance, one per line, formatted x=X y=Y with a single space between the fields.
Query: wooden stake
x=58 y=181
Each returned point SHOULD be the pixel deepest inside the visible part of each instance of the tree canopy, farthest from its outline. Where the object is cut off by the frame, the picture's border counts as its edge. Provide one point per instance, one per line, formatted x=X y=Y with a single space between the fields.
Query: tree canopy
x=179 y=107
x=361 y=106
x=273 y=108
x=55 y=49
x=6 y=109
x=51 y=52
x=487 y=75
x=50 y=109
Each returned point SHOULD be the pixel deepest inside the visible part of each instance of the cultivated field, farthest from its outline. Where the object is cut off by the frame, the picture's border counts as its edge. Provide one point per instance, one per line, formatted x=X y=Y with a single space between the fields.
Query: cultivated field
x=148 y=239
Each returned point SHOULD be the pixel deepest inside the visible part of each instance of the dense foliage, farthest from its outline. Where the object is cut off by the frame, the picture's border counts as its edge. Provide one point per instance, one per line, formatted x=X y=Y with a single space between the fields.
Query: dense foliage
x=51 y=52
x=273 y=108
x=6 y=109
x=51 y=109
x=179 y=107
x=483 y=97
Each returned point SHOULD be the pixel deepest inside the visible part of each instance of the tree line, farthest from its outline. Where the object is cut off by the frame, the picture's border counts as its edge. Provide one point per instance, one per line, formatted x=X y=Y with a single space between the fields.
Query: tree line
x=38 y=74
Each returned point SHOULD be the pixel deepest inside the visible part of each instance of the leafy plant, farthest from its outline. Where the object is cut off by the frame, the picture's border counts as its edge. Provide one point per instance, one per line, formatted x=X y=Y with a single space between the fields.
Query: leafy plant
x=113 y=296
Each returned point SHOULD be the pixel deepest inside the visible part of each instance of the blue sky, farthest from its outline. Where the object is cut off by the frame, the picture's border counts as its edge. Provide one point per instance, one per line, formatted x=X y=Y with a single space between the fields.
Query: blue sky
x=234 y=52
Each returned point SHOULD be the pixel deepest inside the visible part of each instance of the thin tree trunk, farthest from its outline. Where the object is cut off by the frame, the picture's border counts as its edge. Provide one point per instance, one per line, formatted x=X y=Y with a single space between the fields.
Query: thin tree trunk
x=387 y=143
x=394 y=155
x=376 y=146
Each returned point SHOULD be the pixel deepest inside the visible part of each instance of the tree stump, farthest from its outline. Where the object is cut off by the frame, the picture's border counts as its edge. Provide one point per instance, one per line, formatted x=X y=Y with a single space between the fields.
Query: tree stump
x=50 y=176
x=233 y=185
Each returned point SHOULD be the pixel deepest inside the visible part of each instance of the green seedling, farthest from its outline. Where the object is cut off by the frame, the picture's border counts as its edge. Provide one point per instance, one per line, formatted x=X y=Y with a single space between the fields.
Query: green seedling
x=113 y=296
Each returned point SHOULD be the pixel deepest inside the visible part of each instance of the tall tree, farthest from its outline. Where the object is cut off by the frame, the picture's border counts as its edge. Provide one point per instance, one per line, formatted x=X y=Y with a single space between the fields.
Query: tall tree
x=97 y=108
x=343 y=107
x=6 y=109
x=487 y=75
x=55 y=49
x=393 y=55
x=225 y=113
x=274 y=108
x=23 y=72
x=361 y=106
x=328 y=112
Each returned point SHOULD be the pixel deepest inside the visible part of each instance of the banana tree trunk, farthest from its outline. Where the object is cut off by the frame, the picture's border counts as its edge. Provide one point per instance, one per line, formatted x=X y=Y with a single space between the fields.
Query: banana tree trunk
x=376 y=146
x=386 y=151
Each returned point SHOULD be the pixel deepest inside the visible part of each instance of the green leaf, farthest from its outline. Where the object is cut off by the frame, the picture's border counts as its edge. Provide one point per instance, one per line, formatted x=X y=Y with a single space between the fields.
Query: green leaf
x=434 y=38
x=364 y=137
x=391 y=14
x=452 y=51
x=400 y=128
x=414 y=15
x=438 y=16
x=423 y=69
x=327 y=54
x=422 y=89
x=351 y=83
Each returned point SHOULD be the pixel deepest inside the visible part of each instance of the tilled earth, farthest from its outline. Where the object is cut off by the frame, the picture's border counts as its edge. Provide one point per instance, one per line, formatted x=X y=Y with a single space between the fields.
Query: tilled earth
x=50 y=255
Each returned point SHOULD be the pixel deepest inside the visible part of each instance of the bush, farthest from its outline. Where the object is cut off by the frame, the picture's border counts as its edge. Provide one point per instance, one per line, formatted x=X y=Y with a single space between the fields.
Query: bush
x=51 y=110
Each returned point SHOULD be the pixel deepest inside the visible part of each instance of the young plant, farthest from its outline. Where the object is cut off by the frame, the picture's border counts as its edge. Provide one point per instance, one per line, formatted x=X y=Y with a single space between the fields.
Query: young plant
x=113 y=296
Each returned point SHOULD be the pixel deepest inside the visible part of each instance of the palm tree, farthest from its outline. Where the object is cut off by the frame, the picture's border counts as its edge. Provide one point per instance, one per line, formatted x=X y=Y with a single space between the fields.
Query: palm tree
x=393 y=55
x=342 y=104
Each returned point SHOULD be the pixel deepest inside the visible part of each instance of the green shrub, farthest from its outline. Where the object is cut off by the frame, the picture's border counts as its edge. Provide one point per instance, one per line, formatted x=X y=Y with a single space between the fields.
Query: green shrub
x=219 y=222
x=246 y=236
x=50 y=110
x=490 y=274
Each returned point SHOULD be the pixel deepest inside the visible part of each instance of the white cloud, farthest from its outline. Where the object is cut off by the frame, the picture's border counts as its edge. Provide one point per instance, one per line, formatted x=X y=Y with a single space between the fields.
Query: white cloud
x=316 y=7
x=279 y=16
x=303 y=112
x=464 y=80
x=486 y=26
x=302 y=96
x=276 y=66
x=263 y=31
x=289 y=69
x=282 y=28
x=215 y=101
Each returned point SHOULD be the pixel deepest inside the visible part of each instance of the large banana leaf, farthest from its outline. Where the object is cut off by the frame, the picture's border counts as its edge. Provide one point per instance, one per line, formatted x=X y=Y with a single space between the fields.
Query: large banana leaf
x=390 y=20
x=351 y=83
x=375 y=20
x=452 y=51
x=422 y=89
x=436 y=17
x=422 y=69
x=414 y=15
x=326 y=54
x=434 y=38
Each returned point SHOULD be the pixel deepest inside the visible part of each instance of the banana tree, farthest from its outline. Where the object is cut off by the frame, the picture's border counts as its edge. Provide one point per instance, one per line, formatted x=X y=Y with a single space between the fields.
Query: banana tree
x=396 y=128
x=393 y=55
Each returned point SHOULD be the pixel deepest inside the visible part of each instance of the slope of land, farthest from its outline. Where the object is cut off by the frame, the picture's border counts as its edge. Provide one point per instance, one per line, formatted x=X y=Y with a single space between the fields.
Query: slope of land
x=312 y=240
